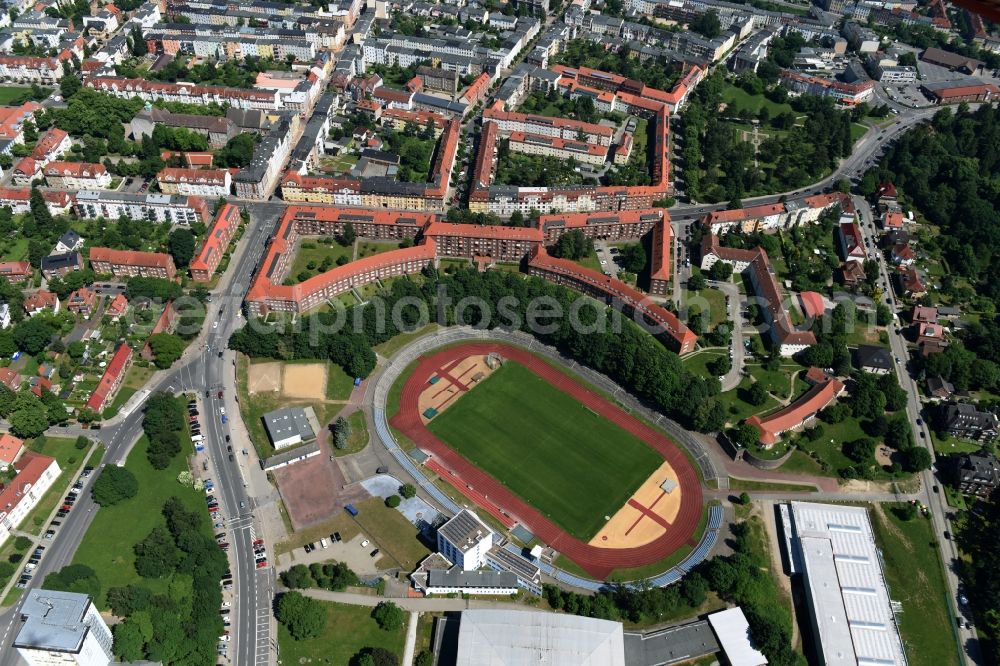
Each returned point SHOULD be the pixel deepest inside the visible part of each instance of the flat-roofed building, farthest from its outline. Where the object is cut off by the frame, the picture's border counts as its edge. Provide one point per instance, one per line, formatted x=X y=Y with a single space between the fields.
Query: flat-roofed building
x=289 y=426
x=465 y=540
x=62 y=628
x=850 y=611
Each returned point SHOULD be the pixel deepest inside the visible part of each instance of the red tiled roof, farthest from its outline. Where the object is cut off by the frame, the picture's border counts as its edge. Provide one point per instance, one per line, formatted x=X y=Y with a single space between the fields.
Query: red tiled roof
x=110 y=377
x=9 y=378
x=48 y=142
x=740 y=214
x=797 y=413
x=75 y=169
x=228 y=217
x=15 y=269
x=40 y=299
x=30 y=469
x=130 y=257
x=117 y=306
x=663 y=238
x=444 y=229
x=893 y=220
x=199 y=176
x=10 y=447
x=565 y=123
x=812 y=303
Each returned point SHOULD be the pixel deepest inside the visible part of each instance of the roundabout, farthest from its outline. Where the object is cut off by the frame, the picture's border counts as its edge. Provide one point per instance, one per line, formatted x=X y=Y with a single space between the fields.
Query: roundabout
x=530 y=445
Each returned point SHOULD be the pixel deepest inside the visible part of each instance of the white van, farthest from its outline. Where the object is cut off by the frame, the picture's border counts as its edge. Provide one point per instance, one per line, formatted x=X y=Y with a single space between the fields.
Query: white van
x=198 y=438
x=324 y=543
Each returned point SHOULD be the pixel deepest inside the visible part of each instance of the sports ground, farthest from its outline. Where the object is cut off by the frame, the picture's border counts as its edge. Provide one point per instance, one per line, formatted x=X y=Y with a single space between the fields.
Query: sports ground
x=516 y=424
x=529 y=444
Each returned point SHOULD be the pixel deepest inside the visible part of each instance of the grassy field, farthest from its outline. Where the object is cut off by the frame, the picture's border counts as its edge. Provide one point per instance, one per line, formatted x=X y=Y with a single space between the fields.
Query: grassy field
x=711 y=300
x=392 y=346
x=10 y=94
x=314 y=252
x=913 y=573
x=358 y=438
x=369 y=248
x=392 y=533
x=547 y=448
x=736 y=405
x=348 y=630
x=736 y=98
x=107 y=547
x=338 y=384
x=70 y=460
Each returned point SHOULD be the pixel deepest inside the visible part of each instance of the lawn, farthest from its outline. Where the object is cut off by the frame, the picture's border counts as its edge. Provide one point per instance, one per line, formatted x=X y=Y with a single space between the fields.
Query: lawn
x=70 y=460
x=558 y=456
x=390 y=347
x=369 y=248
x=737 y=98
x=711 y=300
x=310 y=256
x=913 y=573
x=358 y=438
x=697 y=363
x=736 y=405
x=11 y=94
x=392 y=533
x=954 y=445
x=769 y=486
x=348 y=630
x=107 y=547
x=828 y=448
x=591 y=261
x=338 y=384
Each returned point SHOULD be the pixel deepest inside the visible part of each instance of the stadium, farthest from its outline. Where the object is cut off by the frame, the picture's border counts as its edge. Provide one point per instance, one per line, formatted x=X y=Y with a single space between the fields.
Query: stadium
x=533 y=446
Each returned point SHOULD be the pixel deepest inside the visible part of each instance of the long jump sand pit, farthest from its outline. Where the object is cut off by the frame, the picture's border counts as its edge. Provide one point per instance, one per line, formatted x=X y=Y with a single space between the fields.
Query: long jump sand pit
x=264 y=377
x=648 y=514
x=446 y=385
x=306 y=381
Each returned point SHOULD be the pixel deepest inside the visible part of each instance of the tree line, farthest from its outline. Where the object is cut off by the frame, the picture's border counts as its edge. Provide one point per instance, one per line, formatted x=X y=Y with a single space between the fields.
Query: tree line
x=626 y=353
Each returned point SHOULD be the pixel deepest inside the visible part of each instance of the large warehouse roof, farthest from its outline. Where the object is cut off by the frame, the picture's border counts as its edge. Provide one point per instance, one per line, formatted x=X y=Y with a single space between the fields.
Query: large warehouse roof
x=529 y=638
x=846 y=589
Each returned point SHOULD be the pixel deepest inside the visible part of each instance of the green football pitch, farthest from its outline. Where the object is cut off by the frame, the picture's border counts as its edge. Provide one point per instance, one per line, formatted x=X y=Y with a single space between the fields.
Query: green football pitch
x=566 y=461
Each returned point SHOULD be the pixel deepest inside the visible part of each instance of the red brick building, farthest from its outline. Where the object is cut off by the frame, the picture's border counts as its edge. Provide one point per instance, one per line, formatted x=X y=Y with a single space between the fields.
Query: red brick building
x=112 y=379
x=128 y=263
x=227 y=222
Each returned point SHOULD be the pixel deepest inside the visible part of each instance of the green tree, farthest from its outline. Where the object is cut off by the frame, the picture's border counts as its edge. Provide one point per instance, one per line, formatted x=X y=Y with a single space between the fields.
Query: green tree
x=916 y=459
x=392 y=501
x=181 y=243
x=341 y=432
x=633 y=257
x=237 y=152
x=76 y=350
x=156 y=556
x=757 y=394
x=33 y=335
x=22 y=543
x=128 y=640
x=707 y=24
x=389 y=616
x=137 y=42
x=374 y=656
x=721 y=271
x=302 y=616
x=69 y=85
x=297 y=577
x=166 y=348
x=408 y=490
x=115 y=484
x=745 y=435
x=74 y=578
x=696 y=282
x=29 y=421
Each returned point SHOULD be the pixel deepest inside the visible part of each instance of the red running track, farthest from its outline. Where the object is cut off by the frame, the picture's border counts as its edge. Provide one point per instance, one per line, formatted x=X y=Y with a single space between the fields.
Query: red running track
x=598 y=562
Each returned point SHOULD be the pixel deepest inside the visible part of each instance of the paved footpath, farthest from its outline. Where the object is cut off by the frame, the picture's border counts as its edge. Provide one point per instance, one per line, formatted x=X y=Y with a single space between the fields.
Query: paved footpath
x=411 y=639
x=412 y=604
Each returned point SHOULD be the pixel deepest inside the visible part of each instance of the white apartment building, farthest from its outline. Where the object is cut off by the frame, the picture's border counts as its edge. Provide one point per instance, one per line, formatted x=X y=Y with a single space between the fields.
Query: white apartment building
x=62 y=628
x=211 y=183
x=36 y=474
x=91 y=204
x=77 y=175
x=464 y=540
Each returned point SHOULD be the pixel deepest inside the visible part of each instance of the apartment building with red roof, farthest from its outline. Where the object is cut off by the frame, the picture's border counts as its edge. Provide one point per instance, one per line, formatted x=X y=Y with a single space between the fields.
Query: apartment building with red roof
x=852 y=243
x=797 y=414
x=661 y=268
x=35 y=475
x=498 y=243
x=77 y=175
x=130 y=263
x=618 y=225
x=398 y=119
x=563 y=149
x=11 y=449
x=195 y=182
x=658 y=320
x=225 y=226
x=509 y=122
x=13 y=118
x=19 y=199
x=28 y=69
x=770 y=297
x=16 y=272
x=477 y=90
x=111 y=380
x=154 y=91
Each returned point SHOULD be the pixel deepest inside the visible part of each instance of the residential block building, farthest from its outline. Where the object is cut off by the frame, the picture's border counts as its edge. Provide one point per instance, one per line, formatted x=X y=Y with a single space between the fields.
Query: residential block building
x=211 y=183
x=130 y=263
x=226 y=224
x=175 y=209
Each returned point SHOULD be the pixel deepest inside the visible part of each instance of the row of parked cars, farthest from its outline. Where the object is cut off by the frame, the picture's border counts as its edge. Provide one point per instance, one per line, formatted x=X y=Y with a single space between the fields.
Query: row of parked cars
x=68 y=502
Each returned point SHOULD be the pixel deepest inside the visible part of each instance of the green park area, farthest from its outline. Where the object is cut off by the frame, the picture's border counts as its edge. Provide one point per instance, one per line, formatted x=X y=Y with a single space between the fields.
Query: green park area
x=109 y=545
x=347 y=630
x=912 y=568
x=572 y=465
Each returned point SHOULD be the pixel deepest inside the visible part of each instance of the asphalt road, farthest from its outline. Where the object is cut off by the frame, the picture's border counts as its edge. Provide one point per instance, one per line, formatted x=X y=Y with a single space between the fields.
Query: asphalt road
x=935 y=501
x=198 y=371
